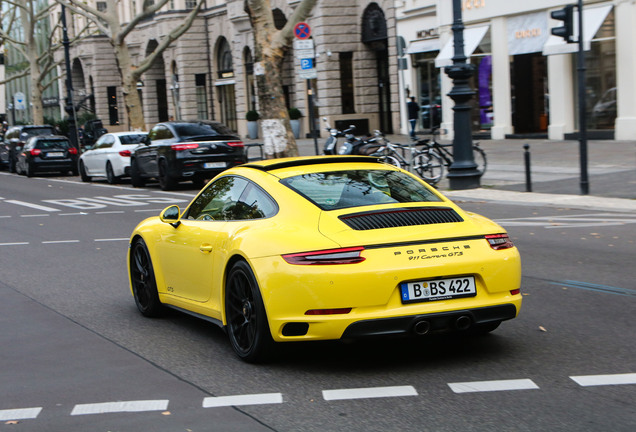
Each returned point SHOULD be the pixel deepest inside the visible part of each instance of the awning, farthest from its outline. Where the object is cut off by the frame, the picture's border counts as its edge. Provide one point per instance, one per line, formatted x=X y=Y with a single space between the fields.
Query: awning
x=527 y=33
x=422 y=46
x=472 y=38
x=593 y=18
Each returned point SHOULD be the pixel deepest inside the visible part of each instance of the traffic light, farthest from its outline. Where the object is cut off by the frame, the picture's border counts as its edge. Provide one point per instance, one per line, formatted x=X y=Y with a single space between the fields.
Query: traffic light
x=567 y=29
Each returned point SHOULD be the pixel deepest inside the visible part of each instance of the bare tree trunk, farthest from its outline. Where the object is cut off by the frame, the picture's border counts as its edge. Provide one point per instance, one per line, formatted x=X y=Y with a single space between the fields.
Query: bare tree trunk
x=134 y=112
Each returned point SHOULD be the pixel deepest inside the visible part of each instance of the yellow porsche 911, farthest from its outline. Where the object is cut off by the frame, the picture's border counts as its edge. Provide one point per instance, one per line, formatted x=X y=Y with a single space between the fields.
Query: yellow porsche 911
x=318 y=248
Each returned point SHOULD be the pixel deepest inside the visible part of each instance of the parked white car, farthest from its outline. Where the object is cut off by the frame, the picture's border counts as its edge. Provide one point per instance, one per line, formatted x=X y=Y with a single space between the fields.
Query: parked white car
x=110 y=156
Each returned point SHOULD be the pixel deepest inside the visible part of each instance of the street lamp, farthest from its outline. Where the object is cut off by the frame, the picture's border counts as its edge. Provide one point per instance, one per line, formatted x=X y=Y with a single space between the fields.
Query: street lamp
x=69 y=108
x=463 y=172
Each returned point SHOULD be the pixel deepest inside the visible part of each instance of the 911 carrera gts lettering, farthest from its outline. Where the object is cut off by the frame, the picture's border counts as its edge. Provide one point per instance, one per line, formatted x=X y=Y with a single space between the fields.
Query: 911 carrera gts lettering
x=450 y=254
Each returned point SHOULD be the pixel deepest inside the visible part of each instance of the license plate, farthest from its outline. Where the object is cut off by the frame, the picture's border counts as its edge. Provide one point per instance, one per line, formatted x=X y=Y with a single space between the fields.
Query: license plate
x=214 y=165
x=55 y=154
x=438 y=289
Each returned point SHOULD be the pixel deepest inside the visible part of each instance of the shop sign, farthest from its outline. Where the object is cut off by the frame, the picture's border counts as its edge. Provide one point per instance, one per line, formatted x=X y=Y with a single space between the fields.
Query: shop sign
x=431 y=33
x=527 y=33
x=473 y=4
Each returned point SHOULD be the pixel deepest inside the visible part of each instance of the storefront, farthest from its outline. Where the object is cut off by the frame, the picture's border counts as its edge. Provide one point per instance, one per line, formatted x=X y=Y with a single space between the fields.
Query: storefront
x=525 y=78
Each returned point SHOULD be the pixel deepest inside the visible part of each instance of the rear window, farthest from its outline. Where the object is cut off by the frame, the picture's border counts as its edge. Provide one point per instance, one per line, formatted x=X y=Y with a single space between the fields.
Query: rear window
x=31 y=132
x=131 y=139
x=52 y=144
x=342 y=189
x=202 y=130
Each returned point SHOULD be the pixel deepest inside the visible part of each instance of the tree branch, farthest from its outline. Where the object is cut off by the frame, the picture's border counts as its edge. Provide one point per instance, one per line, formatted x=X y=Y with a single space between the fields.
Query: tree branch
x=145 y=13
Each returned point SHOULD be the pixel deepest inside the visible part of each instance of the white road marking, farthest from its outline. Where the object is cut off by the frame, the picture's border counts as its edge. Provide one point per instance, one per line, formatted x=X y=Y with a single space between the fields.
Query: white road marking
x=601 y=380
x=488 y=386
x=116 y=407
x=33 y=206
x=113 y=239
x=148 y=210
x=370 y=392
x=35 y=215
x=19 y=414
x=111 y=212
x=254 y=399
x=73 y=214
x=60 y=241
x=14 y=244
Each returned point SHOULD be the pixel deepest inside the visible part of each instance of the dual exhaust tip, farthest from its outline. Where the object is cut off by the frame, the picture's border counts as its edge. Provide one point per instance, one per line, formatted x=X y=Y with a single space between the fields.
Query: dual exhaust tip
x=461 y=323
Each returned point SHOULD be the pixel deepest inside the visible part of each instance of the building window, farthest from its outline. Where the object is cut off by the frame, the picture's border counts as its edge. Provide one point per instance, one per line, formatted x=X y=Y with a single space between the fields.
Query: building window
x=226 y=66
x=101 y=6
x=113 y=114
x=346 y=83
x=190 y=4
x=202 y=96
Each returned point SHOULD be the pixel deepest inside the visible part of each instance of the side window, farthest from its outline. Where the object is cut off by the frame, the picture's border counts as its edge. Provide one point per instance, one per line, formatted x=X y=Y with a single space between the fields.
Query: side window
x=218 y=201
x=255 y=204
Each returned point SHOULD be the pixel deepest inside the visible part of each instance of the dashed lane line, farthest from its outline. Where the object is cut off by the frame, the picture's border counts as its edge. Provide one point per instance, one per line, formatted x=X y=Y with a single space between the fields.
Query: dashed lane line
x=19 y=414
x=371 y=392
x=60 y=241
x=603 y=380
x=489 y=386
x=255 y=399
x=119 y=407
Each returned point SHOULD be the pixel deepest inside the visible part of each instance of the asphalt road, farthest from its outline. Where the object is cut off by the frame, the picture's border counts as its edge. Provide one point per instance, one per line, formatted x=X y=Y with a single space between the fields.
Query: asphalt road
x=78 y=356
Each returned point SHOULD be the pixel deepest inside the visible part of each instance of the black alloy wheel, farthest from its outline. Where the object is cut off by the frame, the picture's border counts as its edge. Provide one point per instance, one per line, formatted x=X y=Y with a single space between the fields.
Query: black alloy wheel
x=111 y=178
x=247 y=325
x=166 y=182
x=142 y=278
x=82 y=171
x=30 y=170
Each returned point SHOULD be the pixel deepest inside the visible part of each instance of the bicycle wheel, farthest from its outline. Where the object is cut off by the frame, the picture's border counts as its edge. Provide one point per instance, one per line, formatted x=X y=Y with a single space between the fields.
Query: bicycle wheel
x=430 y=166
x=480 y=159
x=392 y=160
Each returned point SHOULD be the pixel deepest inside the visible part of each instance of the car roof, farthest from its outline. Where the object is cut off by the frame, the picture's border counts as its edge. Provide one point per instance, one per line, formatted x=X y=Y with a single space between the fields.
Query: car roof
x=274 y=164
x=127 y=133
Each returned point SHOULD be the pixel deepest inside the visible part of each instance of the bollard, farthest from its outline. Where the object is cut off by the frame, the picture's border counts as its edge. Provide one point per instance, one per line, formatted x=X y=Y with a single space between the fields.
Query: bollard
x=526 y=157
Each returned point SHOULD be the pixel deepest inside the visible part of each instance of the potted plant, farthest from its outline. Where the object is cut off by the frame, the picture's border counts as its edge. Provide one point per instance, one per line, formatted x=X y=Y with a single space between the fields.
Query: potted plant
x=252 y=123
x=294 y=119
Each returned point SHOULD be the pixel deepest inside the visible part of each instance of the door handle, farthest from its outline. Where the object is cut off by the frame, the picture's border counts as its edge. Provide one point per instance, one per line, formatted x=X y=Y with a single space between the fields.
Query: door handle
x=205 y=248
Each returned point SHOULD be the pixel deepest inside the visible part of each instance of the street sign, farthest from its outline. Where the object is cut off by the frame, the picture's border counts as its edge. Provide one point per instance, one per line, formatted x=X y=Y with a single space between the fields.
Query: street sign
x=304 y=53
x=306 y=63
x=302 y=44
x=19 y=101
x=308 y=74
x=302 y=30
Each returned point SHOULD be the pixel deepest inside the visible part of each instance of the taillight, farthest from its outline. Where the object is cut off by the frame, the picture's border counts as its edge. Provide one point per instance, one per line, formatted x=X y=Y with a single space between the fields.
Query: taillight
x=124 y=153
x=515 y=291
x=339 y=311
x=499 y=241
x=72 y=151
x=330 y=256
x=181 y=147
x=236 y=144
x=35 y=152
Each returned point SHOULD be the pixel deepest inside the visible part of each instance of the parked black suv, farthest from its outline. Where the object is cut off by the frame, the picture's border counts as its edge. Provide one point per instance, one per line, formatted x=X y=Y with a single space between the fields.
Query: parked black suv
x=185 y=150
x=47 y=153
x=16 y=137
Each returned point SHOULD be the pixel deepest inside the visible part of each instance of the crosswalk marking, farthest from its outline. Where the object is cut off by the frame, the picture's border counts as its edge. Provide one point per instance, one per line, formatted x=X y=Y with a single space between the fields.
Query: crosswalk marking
x=19 y=414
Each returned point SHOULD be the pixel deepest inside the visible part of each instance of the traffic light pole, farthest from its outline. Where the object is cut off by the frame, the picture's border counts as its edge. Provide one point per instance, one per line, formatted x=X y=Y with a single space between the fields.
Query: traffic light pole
x=585 y=185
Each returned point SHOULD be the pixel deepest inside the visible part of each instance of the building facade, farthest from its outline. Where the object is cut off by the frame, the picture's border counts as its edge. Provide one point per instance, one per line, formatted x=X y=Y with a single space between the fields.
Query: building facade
x=525 y=79
x=208 y=73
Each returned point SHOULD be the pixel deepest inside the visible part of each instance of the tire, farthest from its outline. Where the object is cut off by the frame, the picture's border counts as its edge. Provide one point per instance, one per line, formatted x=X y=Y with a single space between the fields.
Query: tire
x=12 y=164
x=245 y=315
x=111 y=178
x=135 y=177
x=480 y=159
x=198 y=182
x=29 y=171
x=429 y=166
x=82 y=172
x=143 y=282
x=166 y=182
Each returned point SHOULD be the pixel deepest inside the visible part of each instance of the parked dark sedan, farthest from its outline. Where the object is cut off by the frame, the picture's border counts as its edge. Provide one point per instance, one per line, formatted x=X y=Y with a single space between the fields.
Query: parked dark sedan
x=47 y=153
x=16 y=137
x=185 y=150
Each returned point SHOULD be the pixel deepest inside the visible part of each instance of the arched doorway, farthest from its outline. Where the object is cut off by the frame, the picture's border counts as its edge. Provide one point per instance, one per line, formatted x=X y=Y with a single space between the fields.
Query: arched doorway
x=375 y=37
x=225 y=84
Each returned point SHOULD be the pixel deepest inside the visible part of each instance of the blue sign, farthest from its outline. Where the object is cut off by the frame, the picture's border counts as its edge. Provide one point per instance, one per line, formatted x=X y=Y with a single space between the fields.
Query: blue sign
x=306 y=63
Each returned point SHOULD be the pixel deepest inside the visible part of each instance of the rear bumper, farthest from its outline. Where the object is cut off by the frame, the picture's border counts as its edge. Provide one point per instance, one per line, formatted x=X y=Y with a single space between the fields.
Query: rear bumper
x=435 y=322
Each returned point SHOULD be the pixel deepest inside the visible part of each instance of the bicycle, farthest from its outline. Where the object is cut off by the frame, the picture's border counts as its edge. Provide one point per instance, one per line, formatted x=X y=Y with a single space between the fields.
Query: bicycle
x=425 y=163
x=442 y=155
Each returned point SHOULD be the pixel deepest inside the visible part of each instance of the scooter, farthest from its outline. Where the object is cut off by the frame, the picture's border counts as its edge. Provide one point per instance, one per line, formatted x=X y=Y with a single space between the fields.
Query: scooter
x=351 y=146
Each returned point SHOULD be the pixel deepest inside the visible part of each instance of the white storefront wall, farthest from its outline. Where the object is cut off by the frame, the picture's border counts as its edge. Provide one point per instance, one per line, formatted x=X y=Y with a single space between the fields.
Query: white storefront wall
x=533 y=20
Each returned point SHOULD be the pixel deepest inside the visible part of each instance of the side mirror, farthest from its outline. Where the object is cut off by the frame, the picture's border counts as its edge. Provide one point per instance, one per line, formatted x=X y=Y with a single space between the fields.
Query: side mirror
x=171 y=215
x=144 y=140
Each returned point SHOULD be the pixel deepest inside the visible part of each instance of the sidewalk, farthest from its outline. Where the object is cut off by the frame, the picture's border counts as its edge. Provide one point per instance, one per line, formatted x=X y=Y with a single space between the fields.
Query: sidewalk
x=555 y=173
